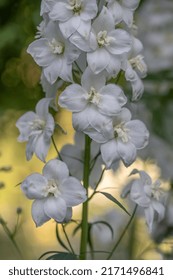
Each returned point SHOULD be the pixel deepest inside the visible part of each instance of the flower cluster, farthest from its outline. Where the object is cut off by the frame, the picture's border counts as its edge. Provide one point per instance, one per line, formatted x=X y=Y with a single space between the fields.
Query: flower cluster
x=86 y=46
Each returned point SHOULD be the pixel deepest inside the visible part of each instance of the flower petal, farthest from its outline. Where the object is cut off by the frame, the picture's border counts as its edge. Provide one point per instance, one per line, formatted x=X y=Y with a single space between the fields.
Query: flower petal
x=127 y=152
x=72 y=192
x=98 y=60
x=120 y=41
x=35 y=186
x=70 y=26
x=89 y=10
x=89 y=80
x=23 y=124
x=38 y=213
x=60 y=12
x=73 y=98
x=52 y=72
x=109 y=152
x=138 y=133
x=55 y=208
x=56 y=169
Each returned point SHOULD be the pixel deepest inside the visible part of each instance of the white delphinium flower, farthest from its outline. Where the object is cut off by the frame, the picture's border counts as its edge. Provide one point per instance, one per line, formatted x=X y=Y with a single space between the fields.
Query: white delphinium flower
x=73 y=15
x=135 y=68
x=122 y=10
x=92 y=102
x=54 y=193
x=54 y=54
x=149 y=196
x=45 y=7
x=125 y=138
x=105 y=44
x=36 y=128
x=73 y=156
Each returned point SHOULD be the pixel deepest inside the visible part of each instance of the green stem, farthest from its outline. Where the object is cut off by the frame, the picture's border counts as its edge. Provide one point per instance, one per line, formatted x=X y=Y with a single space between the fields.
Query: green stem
x=56 y=149
x=68 y=240
x=123 y=233
x=84 y=224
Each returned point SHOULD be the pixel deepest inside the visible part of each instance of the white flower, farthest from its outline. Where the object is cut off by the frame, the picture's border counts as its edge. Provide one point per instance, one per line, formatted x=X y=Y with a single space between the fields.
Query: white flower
x=135 y=68
x=93 y=102
x=149 y=196
x=54 y=54
x=74 y=15
x=105 y=44
x=122 y=10
x=126 y=137
x=44 y=9
x=54 y=193
x=37 y=129
x=73 y=156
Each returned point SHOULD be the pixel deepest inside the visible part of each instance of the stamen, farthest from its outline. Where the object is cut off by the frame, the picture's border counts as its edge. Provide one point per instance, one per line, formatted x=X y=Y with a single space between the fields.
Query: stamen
x=57 y=47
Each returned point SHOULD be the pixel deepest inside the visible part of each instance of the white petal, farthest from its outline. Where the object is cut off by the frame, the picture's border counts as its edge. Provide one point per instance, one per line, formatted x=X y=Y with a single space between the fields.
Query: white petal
x=68 y=215
x=109 y=152
x=127 y=152
x=138 y=133
x=30 y=147
x=42 y=145
x=41 y=52
x=56 y=169
x=116 y=11
x=60 y=12
x=137 y=194
x=55 y=208
x=23 y=124
x=38 y=213
x=80 y=120
x=123 y=117
x=66 y=71
x=35 y=186
x=112 y=99
x=137 y=85
x=84 y=28
x=70 y=26
x=52 y=72
x=114 y=66
x=73 y=98
x=145 y=178
x=128 y=17
x=72 y=192
x=131 y=4
x=98 y=60
x=89 y=80
x=42 y=108
x=89 y=10
x=121 y=41
x=104 y=22
x=82 y=43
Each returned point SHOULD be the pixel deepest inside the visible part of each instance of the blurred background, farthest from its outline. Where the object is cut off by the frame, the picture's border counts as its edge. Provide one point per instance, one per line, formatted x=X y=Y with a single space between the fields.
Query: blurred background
x=19 y=92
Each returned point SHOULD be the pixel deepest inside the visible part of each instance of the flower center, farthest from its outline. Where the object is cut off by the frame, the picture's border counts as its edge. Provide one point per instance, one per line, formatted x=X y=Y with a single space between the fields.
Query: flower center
x=121 y=132
x=138 y=62
x=93 y=96
x=103 y=39
x=38 y=124
x=57 y=47
x=76 y=6
x=52 y=188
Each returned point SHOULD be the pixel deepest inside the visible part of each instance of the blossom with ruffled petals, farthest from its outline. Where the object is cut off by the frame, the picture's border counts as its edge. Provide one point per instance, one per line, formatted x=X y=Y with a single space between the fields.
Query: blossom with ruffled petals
x=126 y=137
x=37 y=129
x=135 y=68
x=149 y=196
x=122 y=10
x=54 y=54
x=73 y=15
x=54 y=193
x=93 y=102
x=105 y=44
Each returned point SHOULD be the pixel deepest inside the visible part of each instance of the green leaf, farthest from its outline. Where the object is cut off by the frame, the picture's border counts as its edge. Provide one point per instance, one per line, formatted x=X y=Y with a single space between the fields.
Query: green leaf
x=113 y=199
x=62 y=256
x=60 y=240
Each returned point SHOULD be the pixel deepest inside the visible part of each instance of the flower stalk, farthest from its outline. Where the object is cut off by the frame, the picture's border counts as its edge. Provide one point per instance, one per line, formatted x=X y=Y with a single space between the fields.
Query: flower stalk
x=84 y=225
